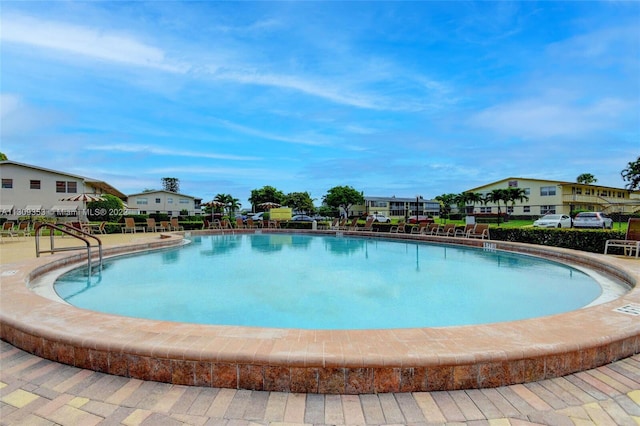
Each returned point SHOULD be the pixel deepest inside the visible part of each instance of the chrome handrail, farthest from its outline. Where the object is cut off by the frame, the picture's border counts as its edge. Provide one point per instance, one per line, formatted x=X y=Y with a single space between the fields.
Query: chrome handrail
x=67 y=230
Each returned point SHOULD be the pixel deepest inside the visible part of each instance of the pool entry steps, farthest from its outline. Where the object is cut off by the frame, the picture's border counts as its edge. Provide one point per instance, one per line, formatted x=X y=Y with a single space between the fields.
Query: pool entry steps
x=318 y=361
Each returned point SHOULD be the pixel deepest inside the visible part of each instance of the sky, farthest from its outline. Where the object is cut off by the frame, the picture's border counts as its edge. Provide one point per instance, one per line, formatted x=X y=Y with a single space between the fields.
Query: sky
x=391 y=98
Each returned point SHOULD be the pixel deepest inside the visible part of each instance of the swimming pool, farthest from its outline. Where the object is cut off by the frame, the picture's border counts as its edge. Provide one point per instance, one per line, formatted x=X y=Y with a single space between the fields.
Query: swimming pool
x=321 y=361
x=329 y=283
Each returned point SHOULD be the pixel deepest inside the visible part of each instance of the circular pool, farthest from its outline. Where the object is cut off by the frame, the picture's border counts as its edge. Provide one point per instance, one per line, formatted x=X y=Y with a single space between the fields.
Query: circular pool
x=329 y=283
x=348 y=361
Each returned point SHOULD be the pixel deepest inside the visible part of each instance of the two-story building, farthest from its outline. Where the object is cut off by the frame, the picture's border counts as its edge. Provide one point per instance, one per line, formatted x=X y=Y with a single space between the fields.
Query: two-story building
x=161 y=201
x=396 y=207
x=550 y=196
x=37 y=191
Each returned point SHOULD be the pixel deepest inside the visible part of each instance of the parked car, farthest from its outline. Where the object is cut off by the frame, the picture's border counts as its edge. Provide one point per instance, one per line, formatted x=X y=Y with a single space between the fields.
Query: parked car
x=379 y=218
x=302 y=218
x=420 y=219
x=592 y=220
x=257 y=216
x=553 y=221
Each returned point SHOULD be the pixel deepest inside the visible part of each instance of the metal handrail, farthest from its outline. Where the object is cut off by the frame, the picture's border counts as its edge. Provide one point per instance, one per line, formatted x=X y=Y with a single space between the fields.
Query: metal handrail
x=68 y=230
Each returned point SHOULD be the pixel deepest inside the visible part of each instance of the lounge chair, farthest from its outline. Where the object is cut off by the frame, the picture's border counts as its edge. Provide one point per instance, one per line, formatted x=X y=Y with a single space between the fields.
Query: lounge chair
x=353 y=226
x=153 y=226
x=23 y=229
x=130 y=226
x=368 y=226
x=481 y=230
x=166 y=225
x=8 y=230
x=463 y=232
x=240 y=223
x=447 y=230
x=335 y=224
x=419 y=229
x=175 y=226
x=631 y=242
x=431 y=229
x=343 y=224
x=398 y=229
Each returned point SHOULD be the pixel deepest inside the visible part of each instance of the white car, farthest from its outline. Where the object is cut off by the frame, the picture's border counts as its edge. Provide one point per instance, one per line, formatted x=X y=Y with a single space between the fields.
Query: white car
x=592 y=220
x=379 y=218
x=257 y=216
x=553 y=221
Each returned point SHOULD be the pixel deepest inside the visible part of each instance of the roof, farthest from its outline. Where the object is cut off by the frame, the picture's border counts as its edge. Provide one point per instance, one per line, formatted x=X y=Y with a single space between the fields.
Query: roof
x=99 y=184
x=553 y=182
x=398 y=199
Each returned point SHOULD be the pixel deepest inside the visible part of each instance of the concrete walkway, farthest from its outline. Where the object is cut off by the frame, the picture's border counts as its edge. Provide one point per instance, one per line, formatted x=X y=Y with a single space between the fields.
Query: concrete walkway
x=35 y=391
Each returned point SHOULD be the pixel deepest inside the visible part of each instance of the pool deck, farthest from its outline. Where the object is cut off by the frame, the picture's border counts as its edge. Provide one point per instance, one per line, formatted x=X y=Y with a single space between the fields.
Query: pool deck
x=350 y=361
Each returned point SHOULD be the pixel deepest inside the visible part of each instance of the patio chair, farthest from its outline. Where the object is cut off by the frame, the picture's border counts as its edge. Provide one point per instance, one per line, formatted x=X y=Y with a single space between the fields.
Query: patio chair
x=240 y=223
x=398 y=229
x=368 y=226
x=8 y=230
x=152 y=226
x=481 y=230
x=353 y=226
x=175 y=226
x=463 y=232
x=164 y=224
x=431 y=229
x=447 y=230
x=419 y=229
x=631 y=242
x=23 y=229
x=343 y=224
x=335 y=224
x=130 y=226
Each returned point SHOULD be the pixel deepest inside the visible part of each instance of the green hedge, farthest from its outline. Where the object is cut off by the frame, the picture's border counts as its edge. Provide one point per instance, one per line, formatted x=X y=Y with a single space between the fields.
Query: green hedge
x=585 y=240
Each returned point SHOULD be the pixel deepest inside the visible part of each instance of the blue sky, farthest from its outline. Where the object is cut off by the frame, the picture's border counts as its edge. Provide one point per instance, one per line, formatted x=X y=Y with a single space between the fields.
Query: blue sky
x=391 y=98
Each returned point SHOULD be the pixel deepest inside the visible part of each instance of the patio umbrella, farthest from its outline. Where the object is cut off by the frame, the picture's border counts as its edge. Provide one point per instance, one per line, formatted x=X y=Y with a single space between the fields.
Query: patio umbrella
x=269 y=205
x=214 y=204
x=84 y=198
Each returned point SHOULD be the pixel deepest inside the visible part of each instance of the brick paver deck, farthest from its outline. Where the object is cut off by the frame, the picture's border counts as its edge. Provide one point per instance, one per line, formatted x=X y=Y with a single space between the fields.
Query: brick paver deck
x=35 y=391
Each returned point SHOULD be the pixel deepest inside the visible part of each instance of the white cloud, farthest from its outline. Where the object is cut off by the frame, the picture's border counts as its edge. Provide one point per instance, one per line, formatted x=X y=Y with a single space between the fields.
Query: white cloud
x=89 y=42
x=544 y=118
x=154 y=150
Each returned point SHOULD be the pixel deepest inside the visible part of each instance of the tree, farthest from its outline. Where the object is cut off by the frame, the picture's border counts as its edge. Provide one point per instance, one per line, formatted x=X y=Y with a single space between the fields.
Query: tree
x=343 y=197
x=171 y=184
x=299 y=201
x=109 y=209
x=230 y=204
x=515 y=194
x=446 y=201
x=3 y=156
x=467 y=198
x=586 y=178
x=266 y=194
x=632 y=175
x=496 y=196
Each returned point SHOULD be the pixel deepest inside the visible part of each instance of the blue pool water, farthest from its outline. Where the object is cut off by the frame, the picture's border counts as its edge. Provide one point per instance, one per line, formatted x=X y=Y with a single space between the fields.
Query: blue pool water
x=328 y=282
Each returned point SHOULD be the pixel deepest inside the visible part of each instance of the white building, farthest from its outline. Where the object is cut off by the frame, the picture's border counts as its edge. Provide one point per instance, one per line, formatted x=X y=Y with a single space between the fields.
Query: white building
x=161 y=201
x=29 y=190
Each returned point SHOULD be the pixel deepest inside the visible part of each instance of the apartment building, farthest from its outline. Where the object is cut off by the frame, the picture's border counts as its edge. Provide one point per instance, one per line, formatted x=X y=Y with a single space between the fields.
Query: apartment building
x=396 y=207
x=550 y=196
x=37 y=191
x=161 y=201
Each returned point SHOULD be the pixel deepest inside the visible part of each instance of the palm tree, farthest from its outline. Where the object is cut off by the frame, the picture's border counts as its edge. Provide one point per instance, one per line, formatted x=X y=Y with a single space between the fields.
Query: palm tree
x=472 y=198
x=586 y=178
x=515 y=194
x=230 y=204
x=496 y=196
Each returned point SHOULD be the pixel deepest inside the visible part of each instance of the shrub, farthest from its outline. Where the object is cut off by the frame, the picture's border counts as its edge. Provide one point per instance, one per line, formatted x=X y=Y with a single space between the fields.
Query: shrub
x=586 y=240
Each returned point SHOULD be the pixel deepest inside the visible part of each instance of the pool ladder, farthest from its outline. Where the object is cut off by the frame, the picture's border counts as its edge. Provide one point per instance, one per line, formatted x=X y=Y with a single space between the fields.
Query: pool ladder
x=67 y=230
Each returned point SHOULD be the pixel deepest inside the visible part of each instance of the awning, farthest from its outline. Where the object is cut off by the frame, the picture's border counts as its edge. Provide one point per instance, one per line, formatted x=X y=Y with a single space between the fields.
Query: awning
x=62 y=209
x=6 y=208
x=32 y=209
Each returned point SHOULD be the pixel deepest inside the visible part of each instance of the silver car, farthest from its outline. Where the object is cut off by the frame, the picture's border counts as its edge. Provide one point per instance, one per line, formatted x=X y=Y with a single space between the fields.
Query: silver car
x=553 y=221
x=592 y=220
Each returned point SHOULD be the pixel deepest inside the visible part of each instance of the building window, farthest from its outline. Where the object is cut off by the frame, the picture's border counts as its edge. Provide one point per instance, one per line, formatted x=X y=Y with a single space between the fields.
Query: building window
x=183 y=201
x=169 y=200
x=61 y=186
x=485 y=209
x=142 y=201
x=72 y=187
x=157 y=200
x=510 y=209
x=513 y=184
x=546 y=191
x=526 y=209
x=527 y=191
x=34 y=184
x=7 y=183
x=377 y=204
x=547 y=210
